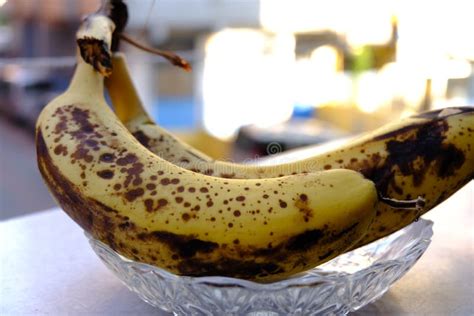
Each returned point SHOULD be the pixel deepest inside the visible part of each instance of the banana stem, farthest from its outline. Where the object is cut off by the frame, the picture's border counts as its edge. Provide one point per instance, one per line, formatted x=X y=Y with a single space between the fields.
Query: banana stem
x=93 y=87
x=415 y=204
x=170 y=56
x=93 y=39
x=109 y=23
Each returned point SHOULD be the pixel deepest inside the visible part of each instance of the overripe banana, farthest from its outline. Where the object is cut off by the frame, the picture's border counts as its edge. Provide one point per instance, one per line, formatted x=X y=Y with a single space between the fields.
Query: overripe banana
x=429 y=154
x=153 y=211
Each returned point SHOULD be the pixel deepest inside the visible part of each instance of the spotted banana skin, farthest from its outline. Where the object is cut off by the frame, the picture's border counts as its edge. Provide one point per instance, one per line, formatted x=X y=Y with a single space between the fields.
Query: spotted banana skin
x=429 y=155
x=156 y=212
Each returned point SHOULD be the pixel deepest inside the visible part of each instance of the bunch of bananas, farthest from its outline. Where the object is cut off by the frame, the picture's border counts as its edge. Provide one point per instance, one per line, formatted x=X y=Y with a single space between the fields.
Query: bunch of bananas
x=154 y=199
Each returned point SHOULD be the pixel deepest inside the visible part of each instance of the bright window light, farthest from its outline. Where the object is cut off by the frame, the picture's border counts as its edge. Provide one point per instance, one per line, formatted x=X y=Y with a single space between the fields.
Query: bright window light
x=246 y=80
x=361 y=22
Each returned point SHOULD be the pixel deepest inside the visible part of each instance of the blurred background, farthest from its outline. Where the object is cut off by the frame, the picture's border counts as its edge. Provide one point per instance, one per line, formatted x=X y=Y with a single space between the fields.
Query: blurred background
x=268 y=75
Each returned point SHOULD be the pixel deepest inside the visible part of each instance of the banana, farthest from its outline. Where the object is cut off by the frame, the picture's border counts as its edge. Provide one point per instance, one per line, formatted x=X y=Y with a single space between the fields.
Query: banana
x=155 y=212
x=428 y=155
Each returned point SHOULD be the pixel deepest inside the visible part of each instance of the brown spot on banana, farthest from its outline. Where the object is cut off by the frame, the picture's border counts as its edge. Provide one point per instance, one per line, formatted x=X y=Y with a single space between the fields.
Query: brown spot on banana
x=106 y=174
x=186 y=246
x=148 y=205
x=302 y=205
x=426 y=144
x=127 y=160
x=107 y=157
x=61 y=150
x=133 y=194
x=142 y=138
x=151 y=186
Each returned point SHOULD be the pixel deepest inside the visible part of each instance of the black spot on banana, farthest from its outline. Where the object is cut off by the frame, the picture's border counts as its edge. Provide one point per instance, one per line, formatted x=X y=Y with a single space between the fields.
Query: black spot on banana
x=428 y=155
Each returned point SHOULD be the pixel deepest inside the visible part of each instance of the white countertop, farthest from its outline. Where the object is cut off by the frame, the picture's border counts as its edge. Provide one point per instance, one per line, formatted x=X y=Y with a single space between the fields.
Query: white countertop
x=48 y=268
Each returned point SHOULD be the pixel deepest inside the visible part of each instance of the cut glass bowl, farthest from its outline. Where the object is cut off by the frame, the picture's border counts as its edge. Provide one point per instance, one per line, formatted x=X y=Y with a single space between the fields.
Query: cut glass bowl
x=344 y=284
